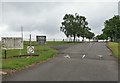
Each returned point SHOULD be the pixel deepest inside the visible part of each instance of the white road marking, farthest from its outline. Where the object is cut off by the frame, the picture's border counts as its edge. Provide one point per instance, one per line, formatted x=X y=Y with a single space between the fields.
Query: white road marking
x=67 y=56
x=100 y=56
x=83 y=56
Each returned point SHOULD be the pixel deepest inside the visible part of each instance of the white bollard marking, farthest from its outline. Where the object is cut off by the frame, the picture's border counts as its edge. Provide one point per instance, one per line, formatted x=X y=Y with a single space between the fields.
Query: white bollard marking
x=67 y=56
x=83 y=56
x=2 y=73
x=100 y=56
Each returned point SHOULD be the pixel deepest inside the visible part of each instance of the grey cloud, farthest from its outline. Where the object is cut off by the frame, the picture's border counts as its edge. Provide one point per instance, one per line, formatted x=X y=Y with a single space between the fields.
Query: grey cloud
x=32 y=16
x=46 y=17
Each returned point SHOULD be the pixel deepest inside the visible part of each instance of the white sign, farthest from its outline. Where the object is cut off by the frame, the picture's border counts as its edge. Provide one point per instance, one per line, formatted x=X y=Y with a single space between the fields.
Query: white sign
x=30 y=49
x=12 y=43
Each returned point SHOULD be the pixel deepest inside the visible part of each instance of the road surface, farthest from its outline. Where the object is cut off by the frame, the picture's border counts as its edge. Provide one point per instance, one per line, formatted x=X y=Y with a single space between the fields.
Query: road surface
x=76 y=68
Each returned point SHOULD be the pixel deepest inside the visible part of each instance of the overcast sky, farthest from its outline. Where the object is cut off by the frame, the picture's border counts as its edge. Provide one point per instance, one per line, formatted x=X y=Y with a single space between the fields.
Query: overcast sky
x=44 y=18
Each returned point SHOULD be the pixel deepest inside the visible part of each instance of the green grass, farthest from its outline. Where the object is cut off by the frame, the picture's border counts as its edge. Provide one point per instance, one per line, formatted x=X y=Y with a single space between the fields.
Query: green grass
x=114 y=47
x=20 y=62
x=11 y=53
x=51 y=43
x=44 y=52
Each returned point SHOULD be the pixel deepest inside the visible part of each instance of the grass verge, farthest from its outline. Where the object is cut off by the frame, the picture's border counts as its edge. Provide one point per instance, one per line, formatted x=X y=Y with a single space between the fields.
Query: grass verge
x=115 y=47
x=16 y=63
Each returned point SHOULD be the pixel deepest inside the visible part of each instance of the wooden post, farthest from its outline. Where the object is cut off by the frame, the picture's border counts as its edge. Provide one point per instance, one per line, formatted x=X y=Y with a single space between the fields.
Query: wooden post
x=22 y=39
x=30 y=44
x=5 y=54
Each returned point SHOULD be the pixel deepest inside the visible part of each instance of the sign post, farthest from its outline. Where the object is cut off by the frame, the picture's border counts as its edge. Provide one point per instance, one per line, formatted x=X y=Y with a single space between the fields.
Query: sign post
x=22 y=38
x=30 y=46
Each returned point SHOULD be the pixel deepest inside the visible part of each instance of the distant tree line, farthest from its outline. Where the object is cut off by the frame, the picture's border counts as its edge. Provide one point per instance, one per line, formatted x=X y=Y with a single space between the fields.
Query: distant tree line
x=76 y=26
x=111 y=29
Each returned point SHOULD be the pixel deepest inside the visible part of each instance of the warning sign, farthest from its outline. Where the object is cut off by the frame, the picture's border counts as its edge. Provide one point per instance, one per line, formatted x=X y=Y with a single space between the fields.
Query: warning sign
x=30 y=49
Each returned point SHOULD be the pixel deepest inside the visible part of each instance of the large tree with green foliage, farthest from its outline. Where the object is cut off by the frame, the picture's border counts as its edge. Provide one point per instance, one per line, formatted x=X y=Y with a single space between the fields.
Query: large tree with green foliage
x=90 y=35
x=102 y=37
x=112 y=28
x=74 y=25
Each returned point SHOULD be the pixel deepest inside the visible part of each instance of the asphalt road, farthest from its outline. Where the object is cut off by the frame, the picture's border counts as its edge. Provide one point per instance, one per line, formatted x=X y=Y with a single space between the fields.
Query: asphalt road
x=90 y=68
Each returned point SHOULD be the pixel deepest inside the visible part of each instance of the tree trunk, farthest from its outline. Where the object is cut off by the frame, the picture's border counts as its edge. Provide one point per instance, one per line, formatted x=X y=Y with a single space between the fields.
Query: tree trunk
x=111 y=39
x=89 y=40
x=83 y=39
x=74 y=39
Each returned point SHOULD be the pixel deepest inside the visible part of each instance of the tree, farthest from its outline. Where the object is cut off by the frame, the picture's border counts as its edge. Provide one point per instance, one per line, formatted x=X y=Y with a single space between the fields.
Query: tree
x=90 y=35
x=74 y=25
x=68 y=26
x=112 y=28
x=102 y=37
x=84 y=29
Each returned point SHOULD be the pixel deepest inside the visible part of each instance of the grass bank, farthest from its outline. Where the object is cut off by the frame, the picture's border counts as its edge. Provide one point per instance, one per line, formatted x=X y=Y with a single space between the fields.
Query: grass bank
x=115 y=47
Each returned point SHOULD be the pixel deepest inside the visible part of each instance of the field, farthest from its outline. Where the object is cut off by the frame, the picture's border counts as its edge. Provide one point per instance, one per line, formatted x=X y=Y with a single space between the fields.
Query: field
x=43 y=51
x=115 y=47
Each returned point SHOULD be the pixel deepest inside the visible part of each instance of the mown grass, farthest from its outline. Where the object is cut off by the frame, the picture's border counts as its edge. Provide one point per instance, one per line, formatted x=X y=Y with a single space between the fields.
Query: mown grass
x=115 y=47
x=51 y=43
x=44 y=52
x=12 y=63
